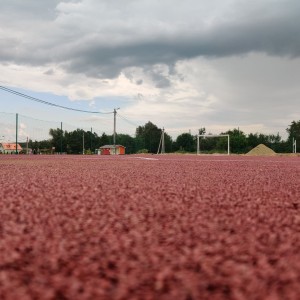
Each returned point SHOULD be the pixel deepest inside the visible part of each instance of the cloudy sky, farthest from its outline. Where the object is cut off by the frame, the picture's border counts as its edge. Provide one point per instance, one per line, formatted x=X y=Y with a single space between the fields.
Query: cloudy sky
x=219 y=64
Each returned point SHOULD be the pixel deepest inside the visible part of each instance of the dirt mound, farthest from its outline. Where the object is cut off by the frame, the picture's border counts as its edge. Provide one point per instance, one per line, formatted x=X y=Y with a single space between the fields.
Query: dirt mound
x=261 y=149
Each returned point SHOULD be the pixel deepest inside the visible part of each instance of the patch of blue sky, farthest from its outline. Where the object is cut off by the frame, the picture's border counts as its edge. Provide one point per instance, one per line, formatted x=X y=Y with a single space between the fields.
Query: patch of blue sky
x=12 y=104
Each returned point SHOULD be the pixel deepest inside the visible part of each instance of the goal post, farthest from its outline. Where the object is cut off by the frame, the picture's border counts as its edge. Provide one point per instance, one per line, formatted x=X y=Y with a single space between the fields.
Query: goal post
x=213 y=135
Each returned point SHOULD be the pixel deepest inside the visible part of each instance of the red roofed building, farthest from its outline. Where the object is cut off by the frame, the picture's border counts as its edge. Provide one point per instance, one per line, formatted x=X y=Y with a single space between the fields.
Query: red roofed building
x=8 y=148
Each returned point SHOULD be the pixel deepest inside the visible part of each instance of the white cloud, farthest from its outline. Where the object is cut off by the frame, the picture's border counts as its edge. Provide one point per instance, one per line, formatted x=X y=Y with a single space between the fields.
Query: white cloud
x=181 y=64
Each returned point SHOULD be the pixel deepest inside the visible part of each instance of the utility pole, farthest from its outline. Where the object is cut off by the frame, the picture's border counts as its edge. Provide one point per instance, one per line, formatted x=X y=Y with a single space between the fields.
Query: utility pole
x=61 y=137
x=2 y=137
x=294 y=145
x=115 y=114
x=27 y=152
x=91 y=138
x=17 y=125
x=163 y=142
x=83 y=142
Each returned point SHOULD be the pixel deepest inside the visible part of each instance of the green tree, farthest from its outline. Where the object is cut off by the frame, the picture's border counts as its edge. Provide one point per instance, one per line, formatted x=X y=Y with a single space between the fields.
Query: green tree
x=103 y=140
x=252 y=141
x=210 y=144
x=74 y=141
x=238 y=141
x=202 y=130
x=58 y=139
x=276 y=143
x=148 y=137
x=186 y=142
x=92 y=139
x=168 y=143
x=294 y=133
x=44 y=146
x=127 y=141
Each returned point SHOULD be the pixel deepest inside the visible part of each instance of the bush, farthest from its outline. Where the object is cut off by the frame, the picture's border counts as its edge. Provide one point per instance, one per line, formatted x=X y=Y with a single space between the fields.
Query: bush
x=88 y=152
x=142 y=151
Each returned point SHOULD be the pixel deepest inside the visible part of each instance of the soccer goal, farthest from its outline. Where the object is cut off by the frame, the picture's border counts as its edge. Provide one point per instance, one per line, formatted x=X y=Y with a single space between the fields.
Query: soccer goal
x=213 y=136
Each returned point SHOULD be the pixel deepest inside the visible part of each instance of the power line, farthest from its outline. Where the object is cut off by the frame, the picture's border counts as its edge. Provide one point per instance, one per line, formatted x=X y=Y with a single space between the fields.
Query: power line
x=49 y=103
x=130 y=122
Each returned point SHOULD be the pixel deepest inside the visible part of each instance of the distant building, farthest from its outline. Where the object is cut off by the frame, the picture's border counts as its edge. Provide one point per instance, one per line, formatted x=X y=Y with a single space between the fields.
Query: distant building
x=9 y=148
x=111 y=150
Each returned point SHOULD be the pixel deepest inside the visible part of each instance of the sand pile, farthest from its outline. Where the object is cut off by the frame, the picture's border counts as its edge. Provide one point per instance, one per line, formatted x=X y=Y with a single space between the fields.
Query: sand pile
x=261 y=149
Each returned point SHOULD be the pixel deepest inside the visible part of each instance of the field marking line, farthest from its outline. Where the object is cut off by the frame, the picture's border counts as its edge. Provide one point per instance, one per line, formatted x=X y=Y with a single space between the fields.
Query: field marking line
x=146 y=158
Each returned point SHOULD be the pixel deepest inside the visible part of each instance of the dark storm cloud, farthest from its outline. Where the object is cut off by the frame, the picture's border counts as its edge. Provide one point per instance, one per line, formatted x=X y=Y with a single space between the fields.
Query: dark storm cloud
x=100 y=39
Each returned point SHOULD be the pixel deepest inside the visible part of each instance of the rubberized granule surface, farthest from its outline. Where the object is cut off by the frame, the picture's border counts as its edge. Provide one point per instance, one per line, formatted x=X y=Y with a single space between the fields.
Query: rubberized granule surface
x=150 y=227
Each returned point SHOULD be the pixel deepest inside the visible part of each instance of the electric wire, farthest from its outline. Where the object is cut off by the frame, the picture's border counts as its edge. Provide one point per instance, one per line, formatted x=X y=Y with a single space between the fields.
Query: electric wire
x=49 y=103
x=128 y=121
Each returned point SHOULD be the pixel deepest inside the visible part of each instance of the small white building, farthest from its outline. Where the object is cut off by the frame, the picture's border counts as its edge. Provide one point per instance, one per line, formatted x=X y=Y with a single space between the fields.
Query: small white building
x=9 y=148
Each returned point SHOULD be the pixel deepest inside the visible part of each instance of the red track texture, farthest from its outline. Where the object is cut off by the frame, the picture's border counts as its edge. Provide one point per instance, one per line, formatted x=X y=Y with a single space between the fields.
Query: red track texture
x=165 y=227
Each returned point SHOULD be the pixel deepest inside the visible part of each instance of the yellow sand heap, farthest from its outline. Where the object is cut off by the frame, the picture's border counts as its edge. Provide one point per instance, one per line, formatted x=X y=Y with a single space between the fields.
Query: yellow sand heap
x=261 y=149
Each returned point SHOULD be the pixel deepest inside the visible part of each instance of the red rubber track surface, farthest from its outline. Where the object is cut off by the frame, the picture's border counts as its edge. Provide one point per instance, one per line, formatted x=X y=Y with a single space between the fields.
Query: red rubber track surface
x=165 y=227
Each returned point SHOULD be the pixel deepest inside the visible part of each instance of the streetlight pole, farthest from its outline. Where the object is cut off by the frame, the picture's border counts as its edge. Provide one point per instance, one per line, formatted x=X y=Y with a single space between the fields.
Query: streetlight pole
x=115 y=114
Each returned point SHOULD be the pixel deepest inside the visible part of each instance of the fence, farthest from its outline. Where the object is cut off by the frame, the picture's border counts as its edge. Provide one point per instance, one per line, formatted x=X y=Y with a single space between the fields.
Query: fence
x=19 y=129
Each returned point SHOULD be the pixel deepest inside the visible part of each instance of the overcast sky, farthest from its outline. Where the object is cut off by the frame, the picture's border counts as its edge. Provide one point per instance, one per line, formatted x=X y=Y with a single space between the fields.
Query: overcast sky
x=219 y=64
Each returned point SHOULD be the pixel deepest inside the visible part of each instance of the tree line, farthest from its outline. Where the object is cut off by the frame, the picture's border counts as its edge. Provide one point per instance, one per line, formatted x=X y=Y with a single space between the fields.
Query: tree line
x=147 y=138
